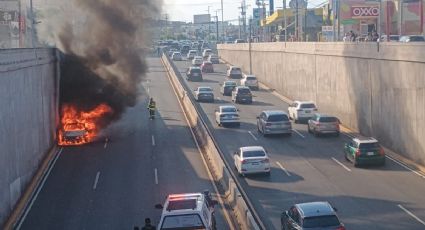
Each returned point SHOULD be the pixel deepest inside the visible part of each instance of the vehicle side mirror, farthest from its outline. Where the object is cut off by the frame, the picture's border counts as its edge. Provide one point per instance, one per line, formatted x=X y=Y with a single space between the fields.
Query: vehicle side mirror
x=159 y=206
x=335 y=209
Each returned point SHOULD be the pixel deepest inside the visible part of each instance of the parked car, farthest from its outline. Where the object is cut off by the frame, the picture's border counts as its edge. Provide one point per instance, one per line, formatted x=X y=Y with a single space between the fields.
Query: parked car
x=214 y=59
x=312 y=215
x=301 y=110
x=206 y=53
x=204 y=93
x=241 y=94
x=239 y=41
x=251 y=159
x=191 y=54
x=197 y=61
x=323 y=124
x=177 y=56
x=207 y=67
x=194 y=74
x=250 y=81
x=227 y=88
x=364 y=151
x=227 y=114
x=393 y=38
x=234 y=72
x=412 y=38
x=274 y=122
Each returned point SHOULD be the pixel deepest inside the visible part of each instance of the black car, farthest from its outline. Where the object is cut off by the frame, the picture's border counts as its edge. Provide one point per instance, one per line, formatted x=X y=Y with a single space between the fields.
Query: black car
x=242 y=94
x=227 y=88
x=194 y=74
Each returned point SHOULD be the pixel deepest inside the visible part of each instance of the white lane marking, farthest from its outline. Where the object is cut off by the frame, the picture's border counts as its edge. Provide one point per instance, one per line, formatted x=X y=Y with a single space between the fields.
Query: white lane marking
x=153 y=140
x=296 y=131
x=96 y=180
x=106 y=143
x=405 y=166
x=37 y=192
x=156 y=176
x=283 y=168
x=253 y=136
x=338 y=162
x=411 y=214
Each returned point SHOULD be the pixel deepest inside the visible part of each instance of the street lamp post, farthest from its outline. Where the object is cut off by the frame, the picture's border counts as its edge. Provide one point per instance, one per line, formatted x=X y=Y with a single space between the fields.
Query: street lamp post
x=222 y=20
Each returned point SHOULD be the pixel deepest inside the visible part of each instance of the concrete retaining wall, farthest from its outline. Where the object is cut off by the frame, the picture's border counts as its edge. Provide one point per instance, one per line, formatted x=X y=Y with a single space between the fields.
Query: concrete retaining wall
x=28 y=112
x=376 y=89
x=211 y=152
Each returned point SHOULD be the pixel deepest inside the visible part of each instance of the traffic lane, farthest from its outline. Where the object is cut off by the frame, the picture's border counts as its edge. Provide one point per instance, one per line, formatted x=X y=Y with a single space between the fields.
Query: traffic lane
x=336 y=145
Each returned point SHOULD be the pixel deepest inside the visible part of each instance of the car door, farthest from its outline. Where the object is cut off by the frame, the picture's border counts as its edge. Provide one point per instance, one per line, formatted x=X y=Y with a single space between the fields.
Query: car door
x=293 y=221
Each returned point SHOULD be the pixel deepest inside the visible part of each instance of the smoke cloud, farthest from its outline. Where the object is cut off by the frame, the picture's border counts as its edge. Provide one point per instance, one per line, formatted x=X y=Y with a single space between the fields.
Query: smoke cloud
x=102 y=42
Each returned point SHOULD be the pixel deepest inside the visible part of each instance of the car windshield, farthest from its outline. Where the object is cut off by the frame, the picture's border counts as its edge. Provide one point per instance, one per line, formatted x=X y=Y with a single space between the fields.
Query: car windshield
x=251 y=78
x=244 y=91
x=254 y=153
x=277 y=117
x=190 y=221
x=307 y=106
x=228 y=110
x=373 y=145
x=236 y=70
x=320 y=221
x=328 y=119
x=205 y=90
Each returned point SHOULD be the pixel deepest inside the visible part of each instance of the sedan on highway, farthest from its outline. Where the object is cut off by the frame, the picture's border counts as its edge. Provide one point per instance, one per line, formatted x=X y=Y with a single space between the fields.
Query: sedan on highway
x=177 y=56
x=364 y=151
x=242 y=94
x=227 y=88
x=207 y=67
x=194 y=74
x=312 y=215
x=234 y=72
x=204 y=93
x=323 y=124
x=250 y=81
x=191 y=54
x=301 y=110
x=274 y=122
x=251 y=159
x=197 y=61
x=214 y=59
x=227 y=114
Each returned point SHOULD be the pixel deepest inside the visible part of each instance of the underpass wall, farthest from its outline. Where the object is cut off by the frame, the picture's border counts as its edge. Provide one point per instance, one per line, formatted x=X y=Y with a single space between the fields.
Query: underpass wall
x=375 y=89
x=28 y=116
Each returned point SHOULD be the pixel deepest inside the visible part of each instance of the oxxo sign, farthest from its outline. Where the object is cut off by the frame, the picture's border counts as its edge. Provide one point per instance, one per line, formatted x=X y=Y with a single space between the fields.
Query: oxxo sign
x=364 y=11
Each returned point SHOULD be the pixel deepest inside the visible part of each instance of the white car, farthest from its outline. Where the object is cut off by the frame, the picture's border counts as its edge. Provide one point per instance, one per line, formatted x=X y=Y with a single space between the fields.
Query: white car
x=251 y=159
x=301 y=110
x=197 y=61
x=227 y=114
x=206 y=53
x=250 y=81
x=234 y=72
x=177 y=56
x=191 y=54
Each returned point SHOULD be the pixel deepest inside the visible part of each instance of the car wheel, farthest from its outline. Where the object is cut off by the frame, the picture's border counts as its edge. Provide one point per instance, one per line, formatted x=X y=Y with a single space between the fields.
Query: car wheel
x=346 y=156
x=356 y=164
x=258 y=128
x=263 y=132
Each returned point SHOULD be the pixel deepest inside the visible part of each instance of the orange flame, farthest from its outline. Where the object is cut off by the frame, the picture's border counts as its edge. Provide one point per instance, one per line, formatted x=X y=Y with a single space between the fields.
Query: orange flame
x=78 y=127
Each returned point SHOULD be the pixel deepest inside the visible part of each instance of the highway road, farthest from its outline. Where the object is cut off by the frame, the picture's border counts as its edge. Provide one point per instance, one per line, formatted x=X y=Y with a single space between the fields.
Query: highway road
x=306 y=168
x=115 y=184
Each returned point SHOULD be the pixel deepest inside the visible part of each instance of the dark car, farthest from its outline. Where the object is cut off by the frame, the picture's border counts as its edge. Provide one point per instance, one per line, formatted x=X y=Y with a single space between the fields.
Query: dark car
x=227 y=88
x=312 y=215
x=364 y=151
x=194 y=74
x=242 y=94
x=185 y=49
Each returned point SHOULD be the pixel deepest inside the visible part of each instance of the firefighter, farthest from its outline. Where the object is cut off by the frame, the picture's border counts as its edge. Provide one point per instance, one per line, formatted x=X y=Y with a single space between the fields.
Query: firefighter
x=151 y=108
x=148 y=225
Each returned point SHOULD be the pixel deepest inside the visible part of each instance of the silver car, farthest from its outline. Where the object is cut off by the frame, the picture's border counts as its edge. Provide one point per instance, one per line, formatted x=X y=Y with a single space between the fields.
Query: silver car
x=274 y=122
x=227 y=114
x=322 y=124
x=204 y=93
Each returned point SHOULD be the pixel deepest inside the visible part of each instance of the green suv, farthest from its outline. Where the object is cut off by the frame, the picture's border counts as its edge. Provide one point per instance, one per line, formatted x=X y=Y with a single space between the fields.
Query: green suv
x=364 y=151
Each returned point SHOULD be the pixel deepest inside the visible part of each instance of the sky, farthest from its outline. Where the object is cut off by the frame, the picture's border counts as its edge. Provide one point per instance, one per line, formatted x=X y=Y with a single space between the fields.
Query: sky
x=183 y=10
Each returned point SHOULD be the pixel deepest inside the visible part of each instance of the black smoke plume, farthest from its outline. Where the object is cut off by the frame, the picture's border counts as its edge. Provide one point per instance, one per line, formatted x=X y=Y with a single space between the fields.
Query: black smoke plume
x=102 y=59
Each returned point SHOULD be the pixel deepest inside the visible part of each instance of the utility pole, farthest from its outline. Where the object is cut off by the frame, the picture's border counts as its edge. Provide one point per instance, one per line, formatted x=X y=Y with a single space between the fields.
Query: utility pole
x=285 y=21
x=209 y=23
x=216 y=24
x=166 y=26
x=249 y=43
x=222 y=20
x=296 y=20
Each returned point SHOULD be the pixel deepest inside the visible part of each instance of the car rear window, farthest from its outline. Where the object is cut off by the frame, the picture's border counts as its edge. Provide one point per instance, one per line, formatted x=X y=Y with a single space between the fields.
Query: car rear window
x=236 y=71
x=228 y=110
x=278 y=117
x=328 y=119
x=308 y=106
x=205 y=89
x=244 y=91
x=320 y=221
x=196 y=71
x=251 y=78
x=254 y=153
x=190 y=221
x=368 y=145
x=230 y=83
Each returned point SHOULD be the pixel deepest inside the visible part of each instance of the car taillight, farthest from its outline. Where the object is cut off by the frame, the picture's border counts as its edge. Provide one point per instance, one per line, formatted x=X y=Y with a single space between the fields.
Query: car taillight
x=358 y=152
x=244 y=161
x=381 y=151
x=318 y=124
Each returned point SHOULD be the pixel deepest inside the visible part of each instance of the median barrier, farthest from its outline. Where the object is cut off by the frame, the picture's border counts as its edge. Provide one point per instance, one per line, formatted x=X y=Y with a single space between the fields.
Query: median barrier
x=232 y=192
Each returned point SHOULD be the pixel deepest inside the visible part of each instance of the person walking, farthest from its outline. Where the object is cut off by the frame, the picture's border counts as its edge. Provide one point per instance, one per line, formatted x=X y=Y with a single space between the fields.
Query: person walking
x=148 y=225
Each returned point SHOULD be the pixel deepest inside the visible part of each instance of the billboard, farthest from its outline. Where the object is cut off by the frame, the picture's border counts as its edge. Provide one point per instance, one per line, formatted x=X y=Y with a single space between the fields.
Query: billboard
x=364 y=11
x=201 y=18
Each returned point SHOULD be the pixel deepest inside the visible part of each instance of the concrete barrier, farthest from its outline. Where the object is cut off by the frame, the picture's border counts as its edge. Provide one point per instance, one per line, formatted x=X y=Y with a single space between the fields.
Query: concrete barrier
x=235 y=196
x=29 y=105
x=377 y=89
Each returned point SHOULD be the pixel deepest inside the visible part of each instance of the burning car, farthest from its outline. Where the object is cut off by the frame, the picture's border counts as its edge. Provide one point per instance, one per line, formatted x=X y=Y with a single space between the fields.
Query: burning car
x=74 y=133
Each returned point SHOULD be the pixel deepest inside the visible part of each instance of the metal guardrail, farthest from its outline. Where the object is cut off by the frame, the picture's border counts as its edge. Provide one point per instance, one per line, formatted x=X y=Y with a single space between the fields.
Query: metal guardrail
x=250 y=206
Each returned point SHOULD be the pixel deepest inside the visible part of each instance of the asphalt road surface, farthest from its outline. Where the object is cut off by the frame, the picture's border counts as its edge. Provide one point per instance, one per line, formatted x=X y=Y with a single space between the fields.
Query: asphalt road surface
x=115 y=184
x=307 y=168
